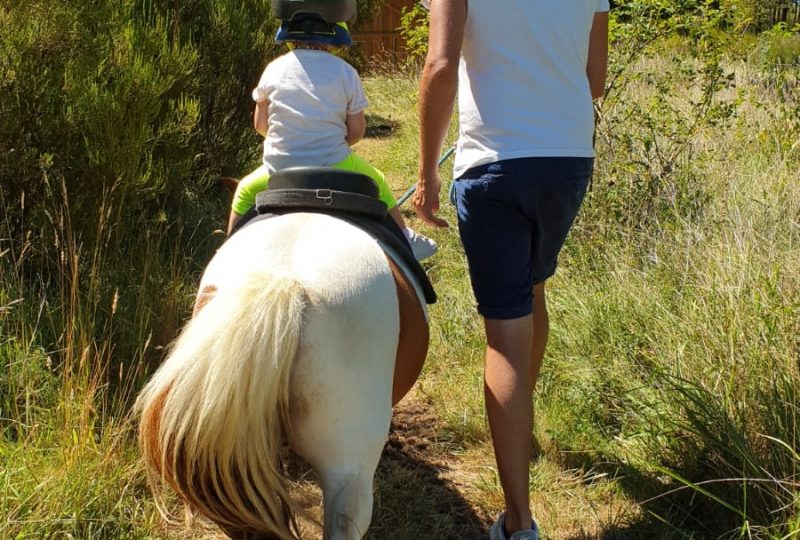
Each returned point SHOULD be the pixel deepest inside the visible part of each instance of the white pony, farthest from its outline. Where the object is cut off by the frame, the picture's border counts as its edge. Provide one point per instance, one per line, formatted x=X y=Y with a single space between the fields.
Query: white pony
x=304 y=333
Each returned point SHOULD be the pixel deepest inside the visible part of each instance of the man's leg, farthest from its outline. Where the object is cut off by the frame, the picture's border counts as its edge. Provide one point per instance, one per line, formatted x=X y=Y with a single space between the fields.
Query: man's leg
x=508 y=387
x=514 y=353
x=541 y=329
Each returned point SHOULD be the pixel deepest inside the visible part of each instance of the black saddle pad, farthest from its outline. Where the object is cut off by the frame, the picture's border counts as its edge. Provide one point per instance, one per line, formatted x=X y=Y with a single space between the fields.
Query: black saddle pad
x=346 y=195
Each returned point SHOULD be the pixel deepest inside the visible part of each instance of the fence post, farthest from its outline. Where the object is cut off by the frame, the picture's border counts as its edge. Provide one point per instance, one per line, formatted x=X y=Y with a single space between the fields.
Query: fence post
x=787 y=11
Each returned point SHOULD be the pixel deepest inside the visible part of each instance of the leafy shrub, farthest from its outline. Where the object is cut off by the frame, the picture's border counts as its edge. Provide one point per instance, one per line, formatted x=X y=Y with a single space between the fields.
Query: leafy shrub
x=116 y=119
x=414 y=30
x=655 y=163
x=105 y=106
x=780 y=46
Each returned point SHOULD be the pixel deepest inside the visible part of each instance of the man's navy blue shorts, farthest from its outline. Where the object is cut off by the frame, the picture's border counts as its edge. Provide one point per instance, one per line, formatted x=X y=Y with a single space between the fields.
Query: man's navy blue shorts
x=513 y=217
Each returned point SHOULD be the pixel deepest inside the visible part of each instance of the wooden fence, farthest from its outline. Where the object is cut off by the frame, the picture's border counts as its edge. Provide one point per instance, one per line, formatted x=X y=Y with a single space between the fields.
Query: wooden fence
x=379 y=39
x=789 y=13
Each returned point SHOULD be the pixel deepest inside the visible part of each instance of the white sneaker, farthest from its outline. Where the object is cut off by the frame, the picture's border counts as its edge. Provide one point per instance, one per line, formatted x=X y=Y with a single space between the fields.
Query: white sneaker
x=422 y=246
x=498 y=532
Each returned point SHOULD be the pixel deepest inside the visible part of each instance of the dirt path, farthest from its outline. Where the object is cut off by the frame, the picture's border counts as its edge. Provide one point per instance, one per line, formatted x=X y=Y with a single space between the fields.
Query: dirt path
x=425 y=491
x=418 y=493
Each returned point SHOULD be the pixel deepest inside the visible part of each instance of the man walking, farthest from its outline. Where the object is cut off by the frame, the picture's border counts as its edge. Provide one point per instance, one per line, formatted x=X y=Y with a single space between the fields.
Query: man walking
x=525 y=73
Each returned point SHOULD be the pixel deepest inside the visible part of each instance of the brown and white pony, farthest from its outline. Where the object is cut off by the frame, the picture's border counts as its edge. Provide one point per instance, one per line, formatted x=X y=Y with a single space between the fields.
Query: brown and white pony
x=305 y=333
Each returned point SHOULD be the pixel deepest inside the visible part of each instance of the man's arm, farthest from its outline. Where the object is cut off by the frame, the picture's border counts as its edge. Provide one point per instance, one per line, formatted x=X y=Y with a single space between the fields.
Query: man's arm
x=437 y=94
x=597 y=66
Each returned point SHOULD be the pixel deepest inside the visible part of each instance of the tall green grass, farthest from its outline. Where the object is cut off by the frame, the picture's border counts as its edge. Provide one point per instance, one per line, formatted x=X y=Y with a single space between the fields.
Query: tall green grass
x=74 y=348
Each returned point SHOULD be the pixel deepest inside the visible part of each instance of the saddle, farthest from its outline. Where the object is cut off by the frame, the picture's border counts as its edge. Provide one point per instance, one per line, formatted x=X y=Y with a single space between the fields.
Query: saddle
x=349 y=196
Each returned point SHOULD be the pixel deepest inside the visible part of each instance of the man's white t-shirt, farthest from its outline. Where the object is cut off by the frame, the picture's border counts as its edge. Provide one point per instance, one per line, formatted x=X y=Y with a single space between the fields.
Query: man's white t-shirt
x=310 y=94
x=523 y=89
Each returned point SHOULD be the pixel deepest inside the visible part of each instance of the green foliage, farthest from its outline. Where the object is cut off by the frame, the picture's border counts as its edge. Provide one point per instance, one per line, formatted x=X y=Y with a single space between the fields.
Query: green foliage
x=679 y=398
x=117 y=119
x=414 y=30
x=105 y=105
x=756 y=15
x=656 y=166
x=780 y=46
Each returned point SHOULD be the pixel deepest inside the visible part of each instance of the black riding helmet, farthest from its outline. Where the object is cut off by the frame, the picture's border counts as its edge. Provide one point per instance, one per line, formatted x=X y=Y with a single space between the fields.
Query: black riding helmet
x=314 y=21
x=332 y=11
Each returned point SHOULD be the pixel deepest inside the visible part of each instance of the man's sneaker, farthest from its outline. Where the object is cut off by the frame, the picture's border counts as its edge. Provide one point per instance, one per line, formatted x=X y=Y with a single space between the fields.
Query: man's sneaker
x=422 y=246
x=498 y=532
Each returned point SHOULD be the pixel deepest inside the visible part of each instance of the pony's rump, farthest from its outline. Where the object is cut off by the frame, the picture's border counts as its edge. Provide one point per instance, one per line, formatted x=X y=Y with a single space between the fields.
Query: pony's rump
x=295 y=343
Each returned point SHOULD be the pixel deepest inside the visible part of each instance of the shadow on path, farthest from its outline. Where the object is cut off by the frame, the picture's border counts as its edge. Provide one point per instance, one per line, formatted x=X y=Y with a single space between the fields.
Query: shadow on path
x=680 y=515
x=379 y=127
x=413 y=500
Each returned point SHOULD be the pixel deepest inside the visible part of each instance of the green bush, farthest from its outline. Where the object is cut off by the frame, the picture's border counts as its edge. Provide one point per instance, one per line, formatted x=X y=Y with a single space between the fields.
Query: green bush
x=653 y=176
x=780 y=46
x=97 y=99
x=116 y=120
x=414 y=24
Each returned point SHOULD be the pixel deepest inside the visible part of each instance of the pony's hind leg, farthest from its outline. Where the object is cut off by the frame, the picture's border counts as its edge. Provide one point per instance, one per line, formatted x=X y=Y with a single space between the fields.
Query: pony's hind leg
x=341 y=435
x=343 y=444
x=347 y=499
x=341 y=410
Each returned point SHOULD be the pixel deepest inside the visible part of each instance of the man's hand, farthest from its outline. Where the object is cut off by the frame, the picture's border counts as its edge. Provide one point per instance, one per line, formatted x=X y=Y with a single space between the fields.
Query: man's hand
x=426 y=200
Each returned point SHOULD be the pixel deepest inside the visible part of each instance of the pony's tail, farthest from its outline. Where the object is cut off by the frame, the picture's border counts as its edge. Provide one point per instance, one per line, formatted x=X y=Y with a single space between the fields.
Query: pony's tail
x=214 y=417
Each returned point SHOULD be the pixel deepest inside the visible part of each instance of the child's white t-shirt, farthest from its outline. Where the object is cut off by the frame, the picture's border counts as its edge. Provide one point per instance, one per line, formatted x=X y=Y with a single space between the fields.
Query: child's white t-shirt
x=523 y=89
x=310 y=94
